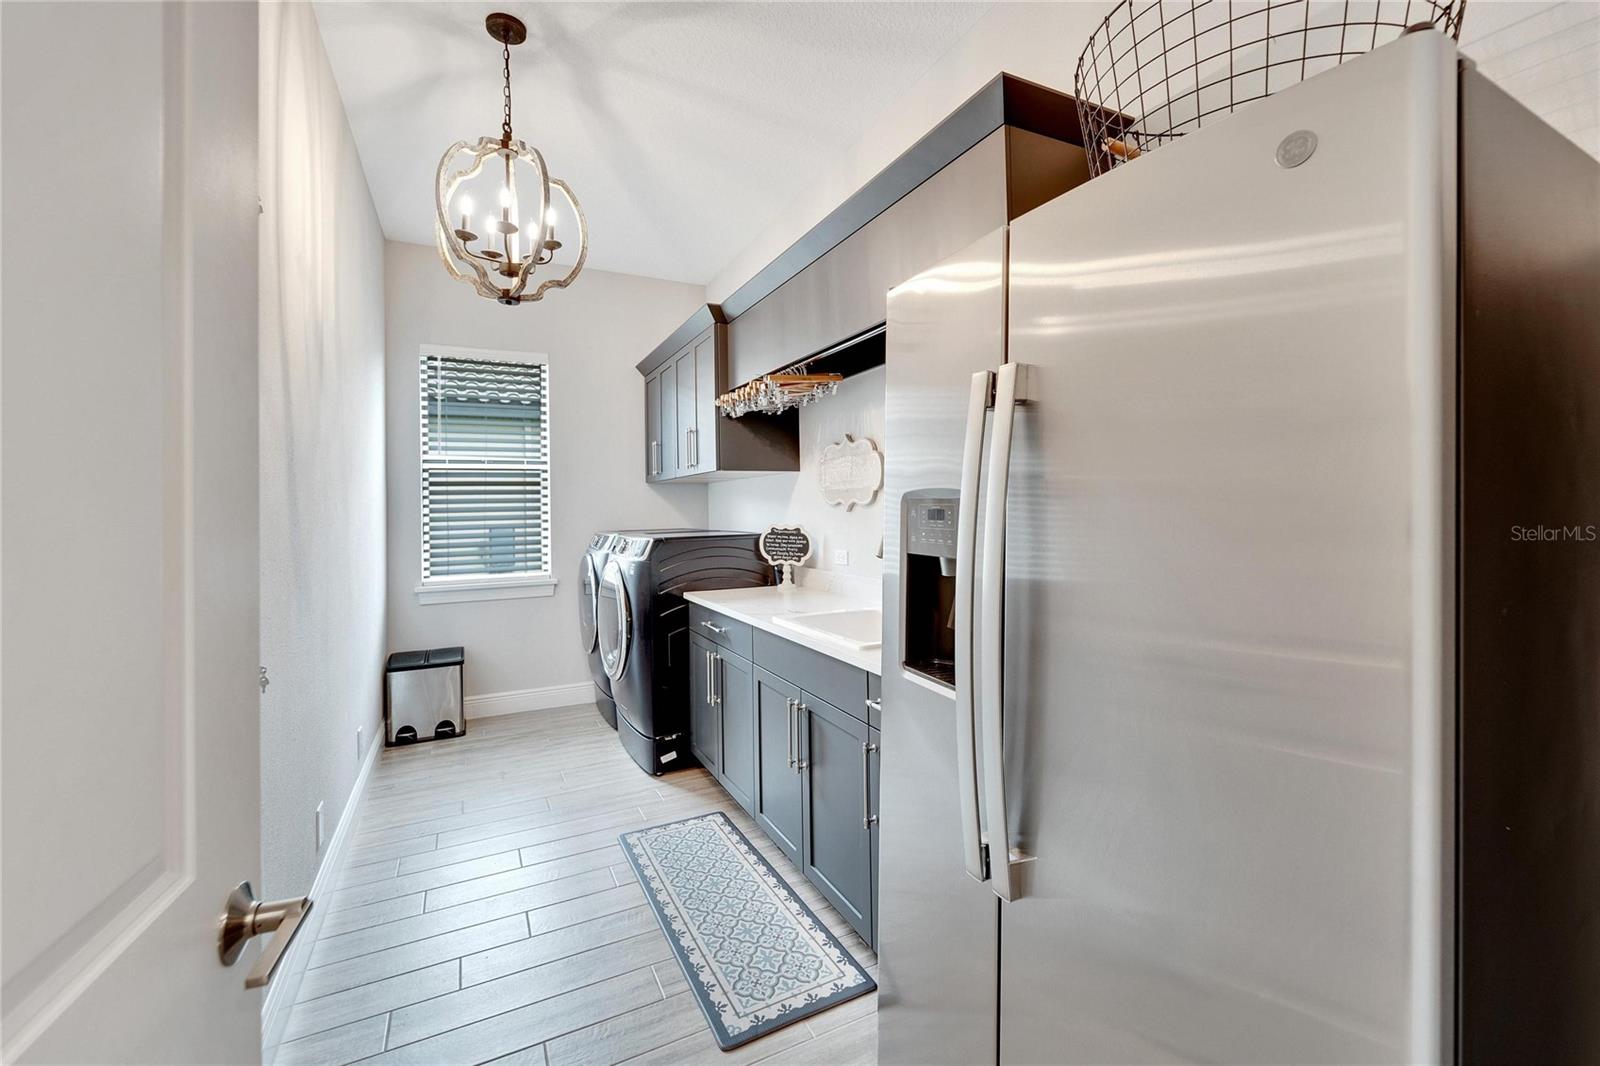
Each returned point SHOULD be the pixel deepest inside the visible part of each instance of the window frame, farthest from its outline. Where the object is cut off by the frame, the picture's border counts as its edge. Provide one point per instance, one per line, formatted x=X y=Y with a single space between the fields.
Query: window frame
x=463 y=589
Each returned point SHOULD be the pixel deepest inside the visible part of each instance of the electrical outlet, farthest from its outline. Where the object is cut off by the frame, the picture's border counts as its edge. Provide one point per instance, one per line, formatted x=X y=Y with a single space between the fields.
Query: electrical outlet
x=841 y=557
x=319 y=828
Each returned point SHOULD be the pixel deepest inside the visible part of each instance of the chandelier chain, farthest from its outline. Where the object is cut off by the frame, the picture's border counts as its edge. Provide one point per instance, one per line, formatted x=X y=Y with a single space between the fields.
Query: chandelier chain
x=505 y=123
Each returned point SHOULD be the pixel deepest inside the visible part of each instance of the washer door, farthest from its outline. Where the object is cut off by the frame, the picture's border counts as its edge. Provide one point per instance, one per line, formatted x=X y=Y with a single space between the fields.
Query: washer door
x=589 y=604
x=614 y=619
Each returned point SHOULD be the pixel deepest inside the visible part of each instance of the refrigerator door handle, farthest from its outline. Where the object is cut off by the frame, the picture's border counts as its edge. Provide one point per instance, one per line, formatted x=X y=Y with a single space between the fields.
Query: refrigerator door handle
x=972 y=850
x=991 y=631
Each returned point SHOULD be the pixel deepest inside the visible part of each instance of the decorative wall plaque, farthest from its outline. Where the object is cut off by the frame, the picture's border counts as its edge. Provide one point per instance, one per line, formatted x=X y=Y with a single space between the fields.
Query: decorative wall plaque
x=851 y=472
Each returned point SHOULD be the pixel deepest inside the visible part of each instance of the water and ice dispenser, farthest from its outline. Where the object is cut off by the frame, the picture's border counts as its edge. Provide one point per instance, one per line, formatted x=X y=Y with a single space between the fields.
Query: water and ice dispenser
x=928 y=571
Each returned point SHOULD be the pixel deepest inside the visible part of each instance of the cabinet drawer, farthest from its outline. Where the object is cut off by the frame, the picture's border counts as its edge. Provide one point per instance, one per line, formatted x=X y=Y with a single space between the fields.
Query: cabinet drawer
x=720 y=629
x=841 y=685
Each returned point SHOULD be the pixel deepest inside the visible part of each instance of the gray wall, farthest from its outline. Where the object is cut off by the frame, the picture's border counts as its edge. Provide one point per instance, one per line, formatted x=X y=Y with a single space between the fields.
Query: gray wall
x=322 y=473
x=524 y=652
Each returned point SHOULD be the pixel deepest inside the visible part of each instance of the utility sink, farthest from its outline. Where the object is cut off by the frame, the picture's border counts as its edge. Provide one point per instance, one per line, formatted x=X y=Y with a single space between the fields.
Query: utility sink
x=860 y=630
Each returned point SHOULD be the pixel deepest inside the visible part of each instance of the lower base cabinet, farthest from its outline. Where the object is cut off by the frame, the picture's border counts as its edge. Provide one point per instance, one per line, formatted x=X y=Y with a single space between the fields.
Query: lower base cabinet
x=722 y=717
x=705 y=721
x=803 y=768
x=838 y=810
x=735 y=678
x=780 y=786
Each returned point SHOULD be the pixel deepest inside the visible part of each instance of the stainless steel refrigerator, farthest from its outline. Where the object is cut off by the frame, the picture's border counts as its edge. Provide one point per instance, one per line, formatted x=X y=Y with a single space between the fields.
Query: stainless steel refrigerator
x=1242 y=600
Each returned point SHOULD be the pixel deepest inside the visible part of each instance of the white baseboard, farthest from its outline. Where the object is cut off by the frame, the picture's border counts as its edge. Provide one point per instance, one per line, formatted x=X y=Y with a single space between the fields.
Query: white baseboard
x=491 y=704
x=285 y=984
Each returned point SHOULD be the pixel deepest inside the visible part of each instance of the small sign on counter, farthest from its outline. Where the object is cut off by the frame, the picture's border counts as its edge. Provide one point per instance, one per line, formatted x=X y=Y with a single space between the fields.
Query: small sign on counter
x=785 y=547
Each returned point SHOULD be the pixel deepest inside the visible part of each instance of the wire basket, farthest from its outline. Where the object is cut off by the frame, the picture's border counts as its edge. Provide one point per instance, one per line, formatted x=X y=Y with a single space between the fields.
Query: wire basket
x=1155 y=71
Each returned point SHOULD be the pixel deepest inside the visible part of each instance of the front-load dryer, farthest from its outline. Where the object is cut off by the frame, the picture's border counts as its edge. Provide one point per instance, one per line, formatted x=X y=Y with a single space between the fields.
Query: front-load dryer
x=642 y=623
x=593 y=565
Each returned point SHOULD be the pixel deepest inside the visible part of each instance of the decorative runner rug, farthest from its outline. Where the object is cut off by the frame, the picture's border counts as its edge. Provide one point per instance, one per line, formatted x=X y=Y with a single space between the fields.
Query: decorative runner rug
x=756 y=958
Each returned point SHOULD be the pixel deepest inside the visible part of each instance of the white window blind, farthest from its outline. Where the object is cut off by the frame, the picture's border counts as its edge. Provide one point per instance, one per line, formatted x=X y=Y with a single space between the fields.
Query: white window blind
x=485 y=468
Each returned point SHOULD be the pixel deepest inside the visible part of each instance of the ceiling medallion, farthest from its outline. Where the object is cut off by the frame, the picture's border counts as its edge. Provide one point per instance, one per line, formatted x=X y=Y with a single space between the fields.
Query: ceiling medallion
x=513 y=244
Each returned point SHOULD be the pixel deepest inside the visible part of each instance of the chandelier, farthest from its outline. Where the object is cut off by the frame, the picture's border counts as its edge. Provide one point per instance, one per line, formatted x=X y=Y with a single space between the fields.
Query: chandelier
x=498 y=252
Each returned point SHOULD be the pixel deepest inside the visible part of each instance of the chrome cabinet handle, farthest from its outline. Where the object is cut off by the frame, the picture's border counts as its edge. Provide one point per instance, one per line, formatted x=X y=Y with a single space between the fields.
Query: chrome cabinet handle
x=244 y=917
x=991 y=633
x=799 y=736
x=874 y=705
x=788 y=707
x=694 y=447
x=716 y=678
x=655 y=458
x=972 y=852
x=708 y=677
x=867 y=817
x=718 y=630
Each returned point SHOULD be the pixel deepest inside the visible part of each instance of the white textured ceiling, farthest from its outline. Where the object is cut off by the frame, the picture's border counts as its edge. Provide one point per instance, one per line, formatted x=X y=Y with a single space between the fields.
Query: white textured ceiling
x=1547 y=55
x=683 y=127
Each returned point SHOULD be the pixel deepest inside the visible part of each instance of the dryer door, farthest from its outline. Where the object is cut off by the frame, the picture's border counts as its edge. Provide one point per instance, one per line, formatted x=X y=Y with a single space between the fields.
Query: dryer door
x=589 y=604
x=614 y=618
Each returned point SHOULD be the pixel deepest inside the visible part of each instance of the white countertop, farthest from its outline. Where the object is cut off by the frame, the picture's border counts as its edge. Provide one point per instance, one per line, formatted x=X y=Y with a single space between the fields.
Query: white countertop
x=759 y=606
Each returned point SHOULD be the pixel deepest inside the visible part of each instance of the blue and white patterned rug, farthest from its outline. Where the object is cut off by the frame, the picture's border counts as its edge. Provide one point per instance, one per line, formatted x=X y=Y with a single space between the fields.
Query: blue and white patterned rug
x=756 y=957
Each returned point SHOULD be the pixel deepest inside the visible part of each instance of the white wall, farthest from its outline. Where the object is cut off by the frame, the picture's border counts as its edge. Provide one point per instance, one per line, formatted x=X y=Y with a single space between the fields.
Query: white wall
x=593 y=333
x=756 y=503
x=321 y=434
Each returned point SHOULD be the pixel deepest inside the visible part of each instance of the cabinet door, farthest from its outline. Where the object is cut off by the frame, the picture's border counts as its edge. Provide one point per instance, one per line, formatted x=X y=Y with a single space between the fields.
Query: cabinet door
x=736 y=697
x=705 y=724
x=707 y=386
x=837 y=838
x=670 y=467
x=778 y=782
x=652 y=427
x=688 y=428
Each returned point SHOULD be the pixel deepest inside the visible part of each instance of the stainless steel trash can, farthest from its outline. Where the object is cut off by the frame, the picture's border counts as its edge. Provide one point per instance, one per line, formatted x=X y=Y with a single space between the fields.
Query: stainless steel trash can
x=422 y=696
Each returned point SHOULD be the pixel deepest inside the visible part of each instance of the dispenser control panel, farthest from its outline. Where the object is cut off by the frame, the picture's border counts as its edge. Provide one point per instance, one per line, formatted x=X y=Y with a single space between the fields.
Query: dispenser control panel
x=931 y=525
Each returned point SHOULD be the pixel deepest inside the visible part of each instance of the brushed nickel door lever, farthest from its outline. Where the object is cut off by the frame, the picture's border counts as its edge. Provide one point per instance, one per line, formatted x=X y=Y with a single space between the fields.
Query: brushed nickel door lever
x=246 y=917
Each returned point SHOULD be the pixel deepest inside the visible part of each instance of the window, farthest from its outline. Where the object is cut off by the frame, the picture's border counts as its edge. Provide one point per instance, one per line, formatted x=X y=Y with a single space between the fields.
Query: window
x=485 y=475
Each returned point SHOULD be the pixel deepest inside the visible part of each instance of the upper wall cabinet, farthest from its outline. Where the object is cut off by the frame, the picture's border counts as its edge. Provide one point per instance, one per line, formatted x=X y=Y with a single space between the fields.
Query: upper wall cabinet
x=845 y=291
x=686 y=439
x=1011 y=147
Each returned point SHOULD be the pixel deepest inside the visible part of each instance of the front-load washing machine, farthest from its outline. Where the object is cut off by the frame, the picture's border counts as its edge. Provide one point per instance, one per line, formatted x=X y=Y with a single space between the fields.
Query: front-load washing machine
x=642 y=623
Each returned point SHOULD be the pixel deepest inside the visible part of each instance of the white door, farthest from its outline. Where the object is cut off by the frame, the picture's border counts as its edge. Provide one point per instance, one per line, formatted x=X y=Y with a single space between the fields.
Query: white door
x=129 y=614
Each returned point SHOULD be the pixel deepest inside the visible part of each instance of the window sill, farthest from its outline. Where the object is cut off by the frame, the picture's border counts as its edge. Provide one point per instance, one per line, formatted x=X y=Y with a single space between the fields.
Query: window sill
x=467 y=590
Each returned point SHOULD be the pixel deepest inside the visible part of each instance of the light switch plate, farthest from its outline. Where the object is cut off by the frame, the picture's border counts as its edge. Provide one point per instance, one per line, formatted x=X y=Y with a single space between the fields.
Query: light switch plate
x=841 y=557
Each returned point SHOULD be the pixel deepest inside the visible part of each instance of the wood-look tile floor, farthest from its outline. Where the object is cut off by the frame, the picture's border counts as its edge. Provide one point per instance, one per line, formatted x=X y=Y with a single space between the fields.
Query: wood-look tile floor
x=486 y=913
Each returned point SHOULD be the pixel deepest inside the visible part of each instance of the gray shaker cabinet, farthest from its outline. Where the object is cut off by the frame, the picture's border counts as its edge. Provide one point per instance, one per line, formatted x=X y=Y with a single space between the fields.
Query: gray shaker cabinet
x=805 y=769
x=838 y=812
x=652 y=427
x=687 y=439
x=705 y=724
x=779 y=806
x=722 y=716
x=735 y=678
